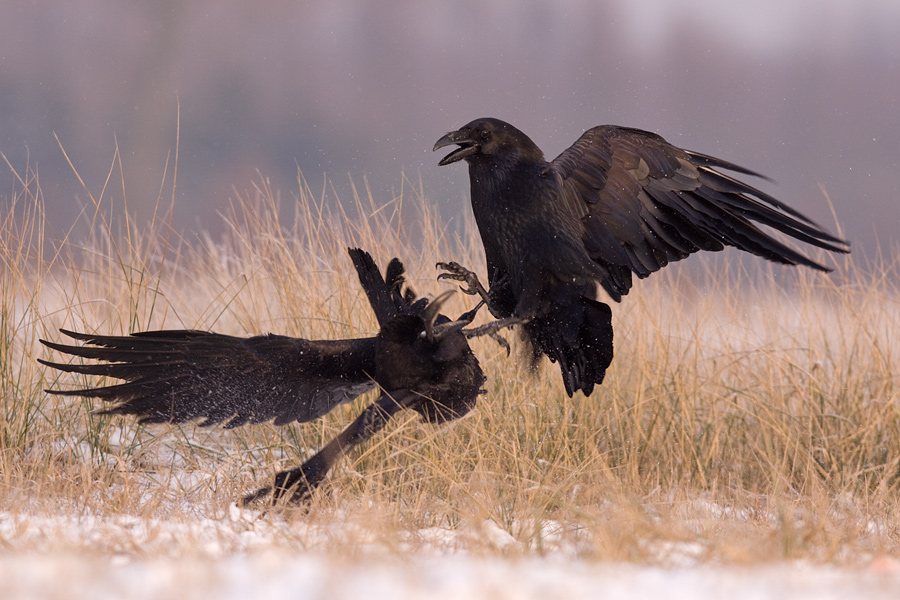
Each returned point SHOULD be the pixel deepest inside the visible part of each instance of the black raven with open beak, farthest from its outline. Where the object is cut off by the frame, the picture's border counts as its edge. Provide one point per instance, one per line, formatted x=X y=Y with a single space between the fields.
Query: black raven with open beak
x=618 y=202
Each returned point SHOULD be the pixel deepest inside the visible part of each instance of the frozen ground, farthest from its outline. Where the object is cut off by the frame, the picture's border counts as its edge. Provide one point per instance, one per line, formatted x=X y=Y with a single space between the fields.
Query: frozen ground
x=276 y=575
x=240 y=556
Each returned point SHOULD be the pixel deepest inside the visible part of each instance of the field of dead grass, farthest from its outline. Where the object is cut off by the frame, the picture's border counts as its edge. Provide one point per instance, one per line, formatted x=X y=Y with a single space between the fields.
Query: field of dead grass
x=750 y=415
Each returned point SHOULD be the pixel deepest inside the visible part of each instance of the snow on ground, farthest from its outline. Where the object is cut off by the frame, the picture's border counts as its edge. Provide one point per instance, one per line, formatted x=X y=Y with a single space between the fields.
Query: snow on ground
x=276 y=575
x=241 y=556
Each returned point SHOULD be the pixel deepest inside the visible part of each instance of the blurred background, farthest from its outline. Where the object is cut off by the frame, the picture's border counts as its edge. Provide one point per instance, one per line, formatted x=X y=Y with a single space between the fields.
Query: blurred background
x=806 y=92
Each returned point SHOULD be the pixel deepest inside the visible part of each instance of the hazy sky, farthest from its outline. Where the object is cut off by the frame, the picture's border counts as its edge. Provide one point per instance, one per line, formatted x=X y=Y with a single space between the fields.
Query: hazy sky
x=806 y=91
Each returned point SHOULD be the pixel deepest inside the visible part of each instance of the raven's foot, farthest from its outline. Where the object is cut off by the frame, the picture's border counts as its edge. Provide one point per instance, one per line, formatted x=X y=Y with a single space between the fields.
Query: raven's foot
x=296 y=482
x=492 y=330
x=257 y=495
x=453 y=271
x=293 y=481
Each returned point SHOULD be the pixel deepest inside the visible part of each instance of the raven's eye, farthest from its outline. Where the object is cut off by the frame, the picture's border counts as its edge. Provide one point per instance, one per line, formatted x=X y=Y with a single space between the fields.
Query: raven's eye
x=485 y=136
x=422 y=335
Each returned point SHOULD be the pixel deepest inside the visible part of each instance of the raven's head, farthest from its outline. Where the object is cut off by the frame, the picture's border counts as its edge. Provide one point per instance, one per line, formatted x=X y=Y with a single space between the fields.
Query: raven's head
x=490 y=139
x=428 y=354
x=417 y=342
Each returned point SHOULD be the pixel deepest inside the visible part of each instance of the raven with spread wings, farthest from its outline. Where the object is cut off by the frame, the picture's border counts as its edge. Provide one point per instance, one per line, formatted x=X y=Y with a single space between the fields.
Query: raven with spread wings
x=618 y=202
x=419 y=360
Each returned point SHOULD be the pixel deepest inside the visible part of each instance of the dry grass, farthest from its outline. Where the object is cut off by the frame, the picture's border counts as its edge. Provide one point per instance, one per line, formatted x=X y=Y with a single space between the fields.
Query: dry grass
x=747 y=416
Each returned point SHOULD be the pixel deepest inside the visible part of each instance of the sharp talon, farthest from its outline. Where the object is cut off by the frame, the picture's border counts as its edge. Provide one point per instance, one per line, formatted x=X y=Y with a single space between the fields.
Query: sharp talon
x=501 y=341
x=453 y=271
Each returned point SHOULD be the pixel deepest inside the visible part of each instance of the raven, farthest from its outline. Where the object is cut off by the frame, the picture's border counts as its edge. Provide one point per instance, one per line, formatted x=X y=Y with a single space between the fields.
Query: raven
x=419 y=360
x=618 y=201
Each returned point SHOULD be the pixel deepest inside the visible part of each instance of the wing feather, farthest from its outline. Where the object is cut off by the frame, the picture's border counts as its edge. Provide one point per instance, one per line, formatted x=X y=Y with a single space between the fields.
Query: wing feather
x=179 y=376
x=649 y=203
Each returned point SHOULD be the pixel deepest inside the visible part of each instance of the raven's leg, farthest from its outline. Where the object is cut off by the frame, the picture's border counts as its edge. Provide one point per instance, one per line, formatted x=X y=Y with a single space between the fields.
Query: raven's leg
x=491 y=330
x=310 y=474
x=456 y=272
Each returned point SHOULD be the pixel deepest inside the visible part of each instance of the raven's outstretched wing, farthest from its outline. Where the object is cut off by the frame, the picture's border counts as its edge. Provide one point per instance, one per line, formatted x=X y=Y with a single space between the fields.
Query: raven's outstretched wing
x=180 y=375
x=645 y=203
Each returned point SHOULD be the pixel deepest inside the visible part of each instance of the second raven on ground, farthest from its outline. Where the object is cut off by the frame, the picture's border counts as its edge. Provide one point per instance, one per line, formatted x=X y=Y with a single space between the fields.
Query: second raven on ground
x=419 y=360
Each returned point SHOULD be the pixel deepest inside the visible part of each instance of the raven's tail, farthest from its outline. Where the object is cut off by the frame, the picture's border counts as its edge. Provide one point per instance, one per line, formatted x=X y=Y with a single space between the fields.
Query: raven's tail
x=579 y=336
x=390 y=295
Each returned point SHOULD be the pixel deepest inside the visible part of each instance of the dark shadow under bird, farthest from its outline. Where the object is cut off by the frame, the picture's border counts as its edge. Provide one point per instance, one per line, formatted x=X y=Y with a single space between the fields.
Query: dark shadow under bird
x=420 y=360
x=618 y=202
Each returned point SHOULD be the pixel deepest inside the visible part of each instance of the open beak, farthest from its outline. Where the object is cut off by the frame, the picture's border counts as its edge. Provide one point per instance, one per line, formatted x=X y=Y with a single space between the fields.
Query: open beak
x=467 y=146
x=432 y=331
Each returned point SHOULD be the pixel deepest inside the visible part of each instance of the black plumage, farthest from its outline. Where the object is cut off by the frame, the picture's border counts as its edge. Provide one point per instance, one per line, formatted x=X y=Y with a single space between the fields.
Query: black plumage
x=618 y=201
x=419 y=360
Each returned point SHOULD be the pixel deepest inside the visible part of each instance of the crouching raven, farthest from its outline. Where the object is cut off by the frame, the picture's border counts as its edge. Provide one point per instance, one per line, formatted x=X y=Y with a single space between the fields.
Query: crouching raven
x=618 y=201
x=419 y=360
